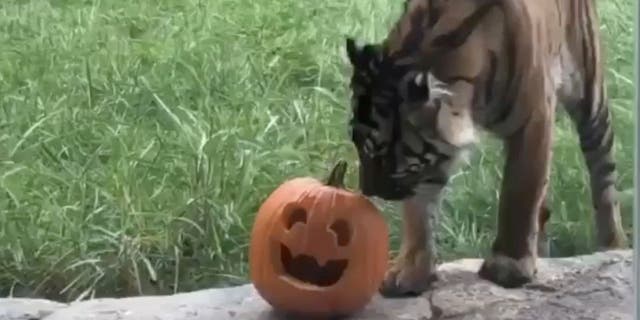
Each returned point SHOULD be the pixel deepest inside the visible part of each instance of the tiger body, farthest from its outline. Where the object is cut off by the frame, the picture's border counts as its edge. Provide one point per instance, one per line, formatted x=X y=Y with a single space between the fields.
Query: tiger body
x=449 y=68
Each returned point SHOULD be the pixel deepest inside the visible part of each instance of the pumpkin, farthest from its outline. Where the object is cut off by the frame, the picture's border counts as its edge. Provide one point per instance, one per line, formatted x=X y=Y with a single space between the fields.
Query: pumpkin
x=317 y=248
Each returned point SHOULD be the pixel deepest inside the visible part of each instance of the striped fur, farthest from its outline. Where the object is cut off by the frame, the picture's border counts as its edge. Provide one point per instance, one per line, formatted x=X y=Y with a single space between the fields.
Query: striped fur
x=451 y=67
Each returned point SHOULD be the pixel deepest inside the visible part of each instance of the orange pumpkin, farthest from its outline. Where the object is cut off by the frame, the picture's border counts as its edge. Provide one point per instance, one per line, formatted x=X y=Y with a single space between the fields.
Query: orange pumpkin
x=318 y=249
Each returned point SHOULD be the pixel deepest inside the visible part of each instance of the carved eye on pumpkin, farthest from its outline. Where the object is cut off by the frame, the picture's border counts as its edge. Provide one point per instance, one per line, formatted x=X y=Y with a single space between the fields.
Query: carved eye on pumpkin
x=342 y=231
x=318 y=248
x=297 y=215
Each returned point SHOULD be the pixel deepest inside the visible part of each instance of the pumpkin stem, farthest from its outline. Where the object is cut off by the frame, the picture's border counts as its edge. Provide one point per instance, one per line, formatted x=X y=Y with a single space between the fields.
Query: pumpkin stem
x=336 y=176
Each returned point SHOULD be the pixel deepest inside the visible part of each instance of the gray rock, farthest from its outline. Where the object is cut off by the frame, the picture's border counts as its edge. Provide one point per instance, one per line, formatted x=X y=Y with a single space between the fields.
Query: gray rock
x=27 y=309
x=595 y=287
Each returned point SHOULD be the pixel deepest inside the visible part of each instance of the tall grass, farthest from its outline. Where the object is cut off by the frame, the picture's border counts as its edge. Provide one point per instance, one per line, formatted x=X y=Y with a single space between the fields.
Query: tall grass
x=138 y=138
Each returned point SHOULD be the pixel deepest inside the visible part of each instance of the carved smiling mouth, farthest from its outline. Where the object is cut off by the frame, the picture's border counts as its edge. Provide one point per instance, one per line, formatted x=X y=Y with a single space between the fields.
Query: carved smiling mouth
x=305 y=268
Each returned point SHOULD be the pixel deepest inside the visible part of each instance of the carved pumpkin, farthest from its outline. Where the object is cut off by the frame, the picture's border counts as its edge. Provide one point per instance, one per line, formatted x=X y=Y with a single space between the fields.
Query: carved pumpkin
x=317 y=248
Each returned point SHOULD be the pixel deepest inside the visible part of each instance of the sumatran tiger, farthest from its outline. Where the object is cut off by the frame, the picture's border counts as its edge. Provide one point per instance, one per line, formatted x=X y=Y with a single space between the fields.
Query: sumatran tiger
x=449 y=68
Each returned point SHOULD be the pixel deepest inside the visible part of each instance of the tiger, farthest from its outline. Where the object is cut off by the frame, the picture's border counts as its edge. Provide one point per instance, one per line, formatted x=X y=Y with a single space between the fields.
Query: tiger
x=449 y=69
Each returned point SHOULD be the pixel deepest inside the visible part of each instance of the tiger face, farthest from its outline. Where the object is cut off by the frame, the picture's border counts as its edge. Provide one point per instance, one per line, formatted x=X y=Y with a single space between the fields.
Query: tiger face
x=403 y=125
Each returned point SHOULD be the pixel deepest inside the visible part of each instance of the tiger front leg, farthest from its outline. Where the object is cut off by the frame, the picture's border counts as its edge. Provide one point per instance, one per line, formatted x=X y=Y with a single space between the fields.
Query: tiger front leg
x=512 y=262
x=414 y=269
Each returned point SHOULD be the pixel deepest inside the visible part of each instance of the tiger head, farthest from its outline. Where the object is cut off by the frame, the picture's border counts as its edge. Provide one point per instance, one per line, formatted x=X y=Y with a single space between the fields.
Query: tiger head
x=405 y=124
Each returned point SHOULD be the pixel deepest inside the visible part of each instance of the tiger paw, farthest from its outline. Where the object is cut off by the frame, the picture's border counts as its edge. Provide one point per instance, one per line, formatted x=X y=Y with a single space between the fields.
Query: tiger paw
x=410 y=275
x=508 y=272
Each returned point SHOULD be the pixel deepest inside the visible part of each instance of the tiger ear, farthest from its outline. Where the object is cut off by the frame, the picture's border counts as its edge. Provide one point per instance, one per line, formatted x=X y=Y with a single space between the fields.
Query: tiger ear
x=354 y=51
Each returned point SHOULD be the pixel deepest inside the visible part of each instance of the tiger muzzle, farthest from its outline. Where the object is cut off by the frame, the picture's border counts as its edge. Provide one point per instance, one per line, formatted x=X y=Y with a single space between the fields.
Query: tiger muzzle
x=375 y=181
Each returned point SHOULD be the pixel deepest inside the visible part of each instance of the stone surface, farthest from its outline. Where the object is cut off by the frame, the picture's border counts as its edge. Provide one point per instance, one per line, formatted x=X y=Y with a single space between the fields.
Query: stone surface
x=595 y=287
x=27 y=309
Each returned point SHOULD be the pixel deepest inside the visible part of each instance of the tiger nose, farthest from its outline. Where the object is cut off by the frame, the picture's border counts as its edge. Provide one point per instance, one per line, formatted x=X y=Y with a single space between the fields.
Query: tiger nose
x=373 y=186
x=367 y=185
x=372 y=180
x=370 y=191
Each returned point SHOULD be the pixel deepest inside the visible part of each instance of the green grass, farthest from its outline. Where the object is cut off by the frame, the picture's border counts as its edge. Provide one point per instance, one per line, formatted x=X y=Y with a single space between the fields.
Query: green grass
x=138 y=138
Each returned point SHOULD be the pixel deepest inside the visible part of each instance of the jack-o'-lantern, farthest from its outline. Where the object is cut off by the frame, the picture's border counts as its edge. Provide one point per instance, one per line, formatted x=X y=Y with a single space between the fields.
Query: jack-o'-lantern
x=317 y=248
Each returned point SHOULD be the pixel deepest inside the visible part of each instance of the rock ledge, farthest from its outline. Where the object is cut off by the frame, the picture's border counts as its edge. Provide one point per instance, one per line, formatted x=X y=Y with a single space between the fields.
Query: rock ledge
x=597 y=286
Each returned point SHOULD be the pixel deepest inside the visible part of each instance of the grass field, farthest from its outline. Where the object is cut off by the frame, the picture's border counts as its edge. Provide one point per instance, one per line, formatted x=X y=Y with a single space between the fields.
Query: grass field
x=138 y=138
